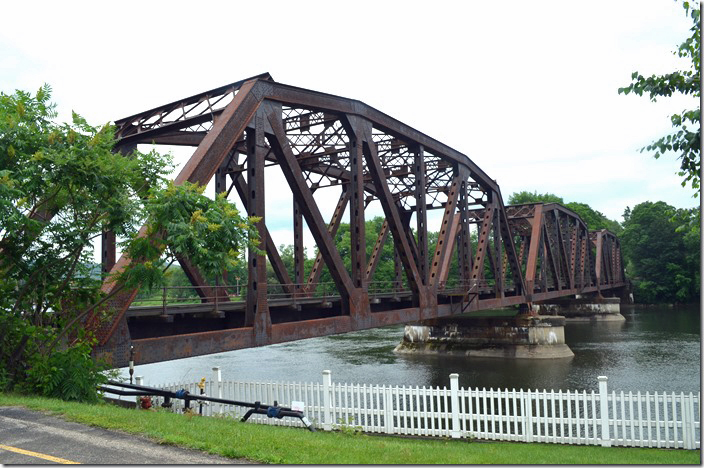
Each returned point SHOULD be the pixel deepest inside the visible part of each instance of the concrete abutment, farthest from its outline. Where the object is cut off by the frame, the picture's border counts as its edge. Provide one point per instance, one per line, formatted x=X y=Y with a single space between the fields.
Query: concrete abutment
x=518 y=337
x=583 y=309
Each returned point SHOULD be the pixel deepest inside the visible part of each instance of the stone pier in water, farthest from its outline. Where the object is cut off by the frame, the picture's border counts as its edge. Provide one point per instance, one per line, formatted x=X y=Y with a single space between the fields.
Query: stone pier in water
x=518 y=337
x=583 y=309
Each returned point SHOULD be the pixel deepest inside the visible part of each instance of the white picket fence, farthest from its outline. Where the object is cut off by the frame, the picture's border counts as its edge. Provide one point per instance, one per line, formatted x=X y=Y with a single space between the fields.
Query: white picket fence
x=657 y=419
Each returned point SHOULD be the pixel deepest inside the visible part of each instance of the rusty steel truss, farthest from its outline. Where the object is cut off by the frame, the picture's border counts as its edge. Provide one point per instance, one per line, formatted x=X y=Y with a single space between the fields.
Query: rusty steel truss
x=520 y=254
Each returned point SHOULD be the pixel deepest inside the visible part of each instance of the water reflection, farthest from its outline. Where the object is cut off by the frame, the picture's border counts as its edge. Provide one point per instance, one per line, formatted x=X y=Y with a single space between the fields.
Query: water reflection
x=654 y=349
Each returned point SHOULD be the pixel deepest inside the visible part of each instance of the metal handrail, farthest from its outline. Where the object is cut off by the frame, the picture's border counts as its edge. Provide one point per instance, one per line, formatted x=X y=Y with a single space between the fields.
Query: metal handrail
x=220 y=294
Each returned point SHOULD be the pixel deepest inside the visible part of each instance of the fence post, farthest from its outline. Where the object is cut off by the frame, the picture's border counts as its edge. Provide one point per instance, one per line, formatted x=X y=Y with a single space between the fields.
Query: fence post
x=455 y=404
x=604 y=411
x=388 y=410
x=217 y=379
x=327 y=390
x=528 y=416
x=687 y=411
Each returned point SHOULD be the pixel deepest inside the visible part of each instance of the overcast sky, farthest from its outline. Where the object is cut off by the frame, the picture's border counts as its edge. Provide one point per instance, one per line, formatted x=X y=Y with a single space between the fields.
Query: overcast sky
x=527 y=90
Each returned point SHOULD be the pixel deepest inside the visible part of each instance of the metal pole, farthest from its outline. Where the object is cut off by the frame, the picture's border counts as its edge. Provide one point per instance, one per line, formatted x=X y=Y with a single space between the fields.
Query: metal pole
x=131 y=362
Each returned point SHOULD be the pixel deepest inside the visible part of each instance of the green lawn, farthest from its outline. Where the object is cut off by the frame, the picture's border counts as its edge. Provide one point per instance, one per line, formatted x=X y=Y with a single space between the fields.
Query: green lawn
x=230 y=438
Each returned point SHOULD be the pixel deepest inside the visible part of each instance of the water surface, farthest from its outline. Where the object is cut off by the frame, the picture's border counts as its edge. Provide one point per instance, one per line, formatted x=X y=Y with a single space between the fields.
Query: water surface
x=655 y=349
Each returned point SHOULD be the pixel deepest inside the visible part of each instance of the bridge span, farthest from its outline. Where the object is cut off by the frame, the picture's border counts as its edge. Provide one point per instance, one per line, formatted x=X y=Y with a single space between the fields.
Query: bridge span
x=352 y=153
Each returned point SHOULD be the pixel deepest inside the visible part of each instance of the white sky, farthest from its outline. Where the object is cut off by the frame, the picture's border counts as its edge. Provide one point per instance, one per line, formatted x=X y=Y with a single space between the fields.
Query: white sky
x=527 y=90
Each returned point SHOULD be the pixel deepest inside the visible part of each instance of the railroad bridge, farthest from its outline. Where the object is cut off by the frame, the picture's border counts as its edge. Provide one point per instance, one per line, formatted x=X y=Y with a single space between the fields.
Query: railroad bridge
x=332 y=148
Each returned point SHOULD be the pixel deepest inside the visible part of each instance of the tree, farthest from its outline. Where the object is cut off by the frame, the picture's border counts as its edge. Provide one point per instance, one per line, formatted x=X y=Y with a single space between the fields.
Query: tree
x=662 y=261
x=594 y=219
x=61 y=186
x=686 y=138
x=518 y=198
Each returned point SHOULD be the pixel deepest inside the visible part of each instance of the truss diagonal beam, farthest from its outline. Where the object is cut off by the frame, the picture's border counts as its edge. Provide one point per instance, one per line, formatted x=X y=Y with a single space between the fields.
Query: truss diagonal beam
x=392 y=214
x=447 y=234
x=333 y=226
x=301 y=192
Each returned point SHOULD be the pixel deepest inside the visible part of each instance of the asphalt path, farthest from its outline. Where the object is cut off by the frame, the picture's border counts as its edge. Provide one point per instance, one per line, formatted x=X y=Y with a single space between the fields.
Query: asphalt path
x=30 y=437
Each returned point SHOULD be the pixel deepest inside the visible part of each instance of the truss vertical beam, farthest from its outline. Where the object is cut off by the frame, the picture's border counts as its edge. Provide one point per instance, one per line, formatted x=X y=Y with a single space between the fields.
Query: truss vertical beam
x=497 y=255
x=108 y=241
x=257 y=311
x=573 y=253
x=298 y=251
x=582 y=240
x=464 y=246
x=358 y=246
x=421 y=212
x=109 y=253
x=597 y=266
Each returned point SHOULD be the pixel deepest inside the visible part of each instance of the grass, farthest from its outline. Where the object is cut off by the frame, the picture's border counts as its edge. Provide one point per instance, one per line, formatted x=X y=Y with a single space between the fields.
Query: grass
x=268 y=444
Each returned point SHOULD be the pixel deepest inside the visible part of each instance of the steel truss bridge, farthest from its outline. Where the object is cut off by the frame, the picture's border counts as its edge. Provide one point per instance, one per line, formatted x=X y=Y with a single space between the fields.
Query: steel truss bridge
x=344 y=150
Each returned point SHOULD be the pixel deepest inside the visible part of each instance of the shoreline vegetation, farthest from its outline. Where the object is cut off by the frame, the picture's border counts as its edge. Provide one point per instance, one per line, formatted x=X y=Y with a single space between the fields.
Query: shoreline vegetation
x=269 y=444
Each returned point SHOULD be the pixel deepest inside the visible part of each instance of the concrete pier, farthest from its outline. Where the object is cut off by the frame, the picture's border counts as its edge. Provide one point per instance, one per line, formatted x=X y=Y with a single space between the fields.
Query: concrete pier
x=607 y=309
x=519 y=337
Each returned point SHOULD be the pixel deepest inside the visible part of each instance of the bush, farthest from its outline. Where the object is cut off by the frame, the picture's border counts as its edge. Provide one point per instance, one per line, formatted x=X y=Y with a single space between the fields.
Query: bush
x=70 y=375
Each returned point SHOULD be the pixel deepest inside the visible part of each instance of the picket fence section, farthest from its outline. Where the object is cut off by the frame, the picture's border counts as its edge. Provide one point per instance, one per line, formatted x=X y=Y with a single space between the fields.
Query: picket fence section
x=657 y=419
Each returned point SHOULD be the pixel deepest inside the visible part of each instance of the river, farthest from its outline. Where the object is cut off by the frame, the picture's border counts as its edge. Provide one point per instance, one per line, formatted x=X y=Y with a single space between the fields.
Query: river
x=655 y=349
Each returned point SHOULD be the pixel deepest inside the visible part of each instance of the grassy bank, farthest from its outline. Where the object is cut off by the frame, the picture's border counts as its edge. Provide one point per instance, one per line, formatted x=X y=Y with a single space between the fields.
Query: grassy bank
x=269 y=444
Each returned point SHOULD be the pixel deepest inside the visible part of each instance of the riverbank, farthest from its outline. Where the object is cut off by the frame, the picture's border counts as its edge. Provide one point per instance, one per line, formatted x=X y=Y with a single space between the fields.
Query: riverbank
x=266 y=444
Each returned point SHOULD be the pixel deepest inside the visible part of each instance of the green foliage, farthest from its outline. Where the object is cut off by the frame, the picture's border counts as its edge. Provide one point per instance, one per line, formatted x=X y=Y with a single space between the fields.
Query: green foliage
x=518 y=198
x=686 y=139
x=181 y=221
x=69 y=374
x=662 y=257
x=61 y=186
x=594 y=219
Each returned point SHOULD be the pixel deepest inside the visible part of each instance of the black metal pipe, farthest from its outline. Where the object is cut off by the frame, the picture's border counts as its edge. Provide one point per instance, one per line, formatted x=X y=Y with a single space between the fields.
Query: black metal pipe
x=122 y=392
x=257 y=407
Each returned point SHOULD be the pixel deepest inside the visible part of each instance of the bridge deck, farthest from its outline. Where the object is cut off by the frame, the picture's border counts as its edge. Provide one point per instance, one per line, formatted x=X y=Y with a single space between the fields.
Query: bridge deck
x=214 y=335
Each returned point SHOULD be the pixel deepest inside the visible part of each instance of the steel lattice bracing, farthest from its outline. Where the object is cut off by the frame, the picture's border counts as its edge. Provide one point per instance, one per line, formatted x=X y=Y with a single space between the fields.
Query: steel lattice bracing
x=506 y=255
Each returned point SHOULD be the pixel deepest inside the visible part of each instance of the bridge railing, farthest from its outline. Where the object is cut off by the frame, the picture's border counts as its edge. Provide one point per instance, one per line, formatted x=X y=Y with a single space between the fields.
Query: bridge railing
x=174 y=296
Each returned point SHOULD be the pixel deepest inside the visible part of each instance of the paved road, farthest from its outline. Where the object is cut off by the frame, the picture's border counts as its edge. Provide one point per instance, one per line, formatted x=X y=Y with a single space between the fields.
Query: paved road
x=30 y=437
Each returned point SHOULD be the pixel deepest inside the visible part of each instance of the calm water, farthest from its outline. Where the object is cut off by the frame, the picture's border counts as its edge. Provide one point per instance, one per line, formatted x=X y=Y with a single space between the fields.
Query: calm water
x=656 y=349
